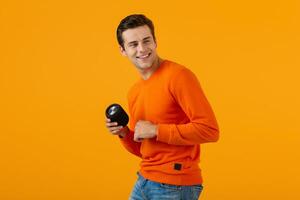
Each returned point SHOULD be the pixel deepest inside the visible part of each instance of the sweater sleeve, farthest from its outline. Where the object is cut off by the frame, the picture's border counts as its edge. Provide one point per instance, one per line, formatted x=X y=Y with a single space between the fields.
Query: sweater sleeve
x=129 y=144
x=202 y=126
x=128 y=141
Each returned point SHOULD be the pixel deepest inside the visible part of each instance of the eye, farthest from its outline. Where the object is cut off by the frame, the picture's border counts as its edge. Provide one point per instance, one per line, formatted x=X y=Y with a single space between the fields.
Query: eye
x=133 y=45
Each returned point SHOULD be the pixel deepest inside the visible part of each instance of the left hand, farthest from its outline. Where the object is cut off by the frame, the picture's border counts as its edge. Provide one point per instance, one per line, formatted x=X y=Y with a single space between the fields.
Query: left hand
x=143 y=130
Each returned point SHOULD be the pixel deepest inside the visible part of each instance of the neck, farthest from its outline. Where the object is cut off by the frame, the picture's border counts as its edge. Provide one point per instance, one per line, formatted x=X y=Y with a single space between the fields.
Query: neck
x=148 y=72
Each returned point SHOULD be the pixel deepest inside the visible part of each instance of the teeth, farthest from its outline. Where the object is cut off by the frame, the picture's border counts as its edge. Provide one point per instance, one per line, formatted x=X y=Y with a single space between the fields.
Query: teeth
x=145 y=56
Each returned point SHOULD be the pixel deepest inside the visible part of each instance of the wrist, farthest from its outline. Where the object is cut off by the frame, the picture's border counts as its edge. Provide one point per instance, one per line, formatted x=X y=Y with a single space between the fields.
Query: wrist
x=155 y=130
x=124 y=132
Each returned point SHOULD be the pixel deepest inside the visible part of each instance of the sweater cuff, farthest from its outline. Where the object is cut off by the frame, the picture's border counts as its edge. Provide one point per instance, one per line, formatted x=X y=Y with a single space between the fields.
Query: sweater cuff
x=127 y=135
x=163 y=133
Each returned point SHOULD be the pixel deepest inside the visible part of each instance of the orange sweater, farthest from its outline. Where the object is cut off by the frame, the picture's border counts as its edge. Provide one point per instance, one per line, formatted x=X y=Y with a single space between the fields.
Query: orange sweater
x=173 y=99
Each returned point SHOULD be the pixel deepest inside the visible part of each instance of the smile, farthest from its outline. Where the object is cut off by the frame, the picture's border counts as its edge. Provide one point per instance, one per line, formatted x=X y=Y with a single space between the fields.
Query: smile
x=144 y=56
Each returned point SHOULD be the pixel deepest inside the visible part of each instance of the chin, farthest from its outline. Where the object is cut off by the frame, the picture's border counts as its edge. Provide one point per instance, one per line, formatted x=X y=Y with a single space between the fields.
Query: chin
x=144 y=65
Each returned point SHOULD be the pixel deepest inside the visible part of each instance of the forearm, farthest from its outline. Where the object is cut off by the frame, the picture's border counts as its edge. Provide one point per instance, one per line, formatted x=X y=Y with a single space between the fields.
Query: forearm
x=128 y=142
x=188 y=134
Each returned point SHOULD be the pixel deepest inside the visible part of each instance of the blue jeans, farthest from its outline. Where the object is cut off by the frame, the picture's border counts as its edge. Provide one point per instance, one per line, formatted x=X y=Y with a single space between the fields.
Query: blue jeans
x=145 y=189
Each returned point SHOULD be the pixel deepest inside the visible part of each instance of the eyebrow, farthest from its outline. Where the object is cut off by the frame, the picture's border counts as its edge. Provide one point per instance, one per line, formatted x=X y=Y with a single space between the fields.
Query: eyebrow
x=132 y=42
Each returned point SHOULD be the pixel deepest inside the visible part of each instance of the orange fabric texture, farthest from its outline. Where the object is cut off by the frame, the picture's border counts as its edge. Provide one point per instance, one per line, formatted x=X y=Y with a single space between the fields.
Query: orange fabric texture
x=173 y=99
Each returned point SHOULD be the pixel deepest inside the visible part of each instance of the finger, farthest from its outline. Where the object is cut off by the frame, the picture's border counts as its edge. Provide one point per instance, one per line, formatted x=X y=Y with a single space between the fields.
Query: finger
x=115 y=132
x=137 y=137
x=112 y=124
x=117 y=128
x=107 y=120
x=137 y=123
x=141 y=121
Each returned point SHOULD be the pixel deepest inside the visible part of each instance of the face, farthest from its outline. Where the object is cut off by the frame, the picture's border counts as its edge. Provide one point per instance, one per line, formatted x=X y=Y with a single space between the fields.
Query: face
x=139 y=47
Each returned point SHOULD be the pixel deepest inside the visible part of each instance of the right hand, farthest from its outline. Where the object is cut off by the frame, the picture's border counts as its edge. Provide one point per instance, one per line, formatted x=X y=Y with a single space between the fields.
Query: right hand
x=114 y=129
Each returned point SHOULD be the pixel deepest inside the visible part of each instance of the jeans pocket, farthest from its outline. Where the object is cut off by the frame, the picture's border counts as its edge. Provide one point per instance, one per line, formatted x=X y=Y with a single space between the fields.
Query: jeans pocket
x=196 y=190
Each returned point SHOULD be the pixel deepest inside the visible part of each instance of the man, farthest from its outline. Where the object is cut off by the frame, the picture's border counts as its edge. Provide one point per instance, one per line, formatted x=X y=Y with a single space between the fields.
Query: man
x=169 y=118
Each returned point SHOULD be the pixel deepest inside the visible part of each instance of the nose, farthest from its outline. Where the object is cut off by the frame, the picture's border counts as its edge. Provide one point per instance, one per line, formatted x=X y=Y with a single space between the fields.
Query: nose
x=141 y=47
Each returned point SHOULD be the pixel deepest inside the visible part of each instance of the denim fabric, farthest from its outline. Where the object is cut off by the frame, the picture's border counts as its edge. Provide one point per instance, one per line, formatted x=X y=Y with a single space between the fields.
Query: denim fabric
x=145 y=189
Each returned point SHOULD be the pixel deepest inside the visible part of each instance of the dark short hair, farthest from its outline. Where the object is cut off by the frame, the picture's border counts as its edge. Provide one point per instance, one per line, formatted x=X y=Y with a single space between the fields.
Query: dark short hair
x=133 y=21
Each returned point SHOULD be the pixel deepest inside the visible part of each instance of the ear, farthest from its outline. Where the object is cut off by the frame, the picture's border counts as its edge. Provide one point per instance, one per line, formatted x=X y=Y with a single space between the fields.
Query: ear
x=155 y=43
x=122 y=50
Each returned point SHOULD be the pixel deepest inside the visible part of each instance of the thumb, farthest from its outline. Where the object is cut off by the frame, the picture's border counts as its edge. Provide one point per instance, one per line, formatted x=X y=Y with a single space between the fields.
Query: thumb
x=137 y=137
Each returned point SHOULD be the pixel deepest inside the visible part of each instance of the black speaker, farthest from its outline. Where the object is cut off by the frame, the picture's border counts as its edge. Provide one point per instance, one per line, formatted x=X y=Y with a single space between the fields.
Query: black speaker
x=116 y=113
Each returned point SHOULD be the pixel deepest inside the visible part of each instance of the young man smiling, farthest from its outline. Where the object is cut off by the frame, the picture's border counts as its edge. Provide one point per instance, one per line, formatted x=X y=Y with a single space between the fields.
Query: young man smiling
x=169 y=118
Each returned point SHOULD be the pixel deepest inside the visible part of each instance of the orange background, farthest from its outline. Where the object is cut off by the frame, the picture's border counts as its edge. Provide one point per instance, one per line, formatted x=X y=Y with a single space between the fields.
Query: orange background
x=60 y=67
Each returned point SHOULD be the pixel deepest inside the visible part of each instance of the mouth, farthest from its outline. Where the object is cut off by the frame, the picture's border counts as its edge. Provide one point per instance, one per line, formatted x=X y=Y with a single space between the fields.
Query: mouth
x=144 y=56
